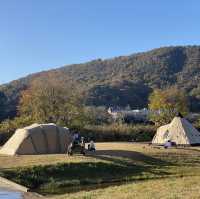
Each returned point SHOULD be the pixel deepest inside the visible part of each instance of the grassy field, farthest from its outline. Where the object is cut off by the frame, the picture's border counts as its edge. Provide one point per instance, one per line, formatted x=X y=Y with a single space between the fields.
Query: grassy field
x=170 y=188
x=146 y=172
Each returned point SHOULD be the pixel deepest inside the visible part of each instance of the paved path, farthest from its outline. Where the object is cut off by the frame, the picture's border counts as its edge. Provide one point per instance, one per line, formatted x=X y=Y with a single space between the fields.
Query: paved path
x=9 y=185
x=30 y=195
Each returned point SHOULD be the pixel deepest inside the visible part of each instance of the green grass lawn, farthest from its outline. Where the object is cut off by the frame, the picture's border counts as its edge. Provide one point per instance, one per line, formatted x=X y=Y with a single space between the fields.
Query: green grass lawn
x=146 y=172
x=167 y=188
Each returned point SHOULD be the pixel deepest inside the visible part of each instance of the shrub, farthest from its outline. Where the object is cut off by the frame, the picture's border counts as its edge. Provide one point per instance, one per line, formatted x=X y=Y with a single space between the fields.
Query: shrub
x=8 y=127
x=104 y=132
x=119 y=132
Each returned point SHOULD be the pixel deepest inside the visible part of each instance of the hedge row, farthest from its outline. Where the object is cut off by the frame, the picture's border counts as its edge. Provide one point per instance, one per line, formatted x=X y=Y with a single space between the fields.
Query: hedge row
x=119 y=132
x=100 y=133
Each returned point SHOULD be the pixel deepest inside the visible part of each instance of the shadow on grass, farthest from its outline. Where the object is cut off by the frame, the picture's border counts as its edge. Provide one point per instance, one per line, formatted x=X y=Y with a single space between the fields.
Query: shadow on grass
x=123 y=157
x=117 y=167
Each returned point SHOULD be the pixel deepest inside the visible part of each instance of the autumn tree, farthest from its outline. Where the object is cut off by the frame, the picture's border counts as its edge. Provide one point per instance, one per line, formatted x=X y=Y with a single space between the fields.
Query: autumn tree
x=48 y=101
x=97 y=115
x=166 y=104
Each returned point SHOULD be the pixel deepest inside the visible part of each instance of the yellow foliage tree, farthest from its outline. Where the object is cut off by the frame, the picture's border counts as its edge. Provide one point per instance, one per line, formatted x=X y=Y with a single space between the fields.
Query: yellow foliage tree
x=49 y=101
x=166 y=104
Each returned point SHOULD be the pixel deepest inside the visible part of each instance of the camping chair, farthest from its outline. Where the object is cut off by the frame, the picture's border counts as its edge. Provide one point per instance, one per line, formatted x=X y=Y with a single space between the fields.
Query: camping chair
x=76 y=147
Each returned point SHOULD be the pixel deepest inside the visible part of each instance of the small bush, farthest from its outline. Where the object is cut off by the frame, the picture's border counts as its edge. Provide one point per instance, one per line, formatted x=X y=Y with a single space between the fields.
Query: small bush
x=119 y=132
x=8 y=127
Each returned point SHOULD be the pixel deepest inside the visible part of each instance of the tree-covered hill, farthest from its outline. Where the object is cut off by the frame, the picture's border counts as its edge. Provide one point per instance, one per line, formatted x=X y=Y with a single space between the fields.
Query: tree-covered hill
x=121 y=81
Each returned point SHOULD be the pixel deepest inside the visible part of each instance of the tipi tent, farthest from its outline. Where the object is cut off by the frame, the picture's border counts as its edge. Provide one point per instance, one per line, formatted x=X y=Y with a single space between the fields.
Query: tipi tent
x=38 y=139
x=179 y=131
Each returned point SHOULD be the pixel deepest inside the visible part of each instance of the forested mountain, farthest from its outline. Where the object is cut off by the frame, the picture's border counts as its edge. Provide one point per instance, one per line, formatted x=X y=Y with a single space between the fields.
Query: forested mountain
x=121 y=81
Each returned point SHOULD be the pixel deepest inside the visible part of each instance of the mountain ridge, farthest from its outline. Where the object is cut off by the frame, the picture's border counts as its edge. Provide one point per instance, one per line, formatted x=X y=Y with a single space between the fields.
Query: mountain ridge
x=123 y=80
x=93 y=60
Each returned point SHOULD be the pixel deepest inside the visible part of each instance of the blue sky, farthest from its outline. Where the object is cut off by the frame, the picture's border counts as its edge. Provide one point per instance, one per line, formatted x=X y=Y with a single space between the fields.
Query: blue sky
x=37 y=35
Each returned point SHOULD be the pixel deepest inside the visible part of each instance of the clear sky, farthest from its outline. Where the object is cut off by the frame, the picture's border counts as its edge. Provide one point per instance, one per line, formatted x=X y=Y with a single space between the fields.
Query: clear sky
x=37 y=35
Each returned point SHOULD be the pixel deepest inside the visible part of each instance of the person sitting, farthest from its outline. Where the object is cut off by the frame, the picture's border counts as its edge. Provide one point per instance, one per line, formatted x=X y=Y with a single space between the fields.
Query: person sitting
x=76 y=138
x=82 y=146
x=69 y=149
x=168 y=144
x=91 y=146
